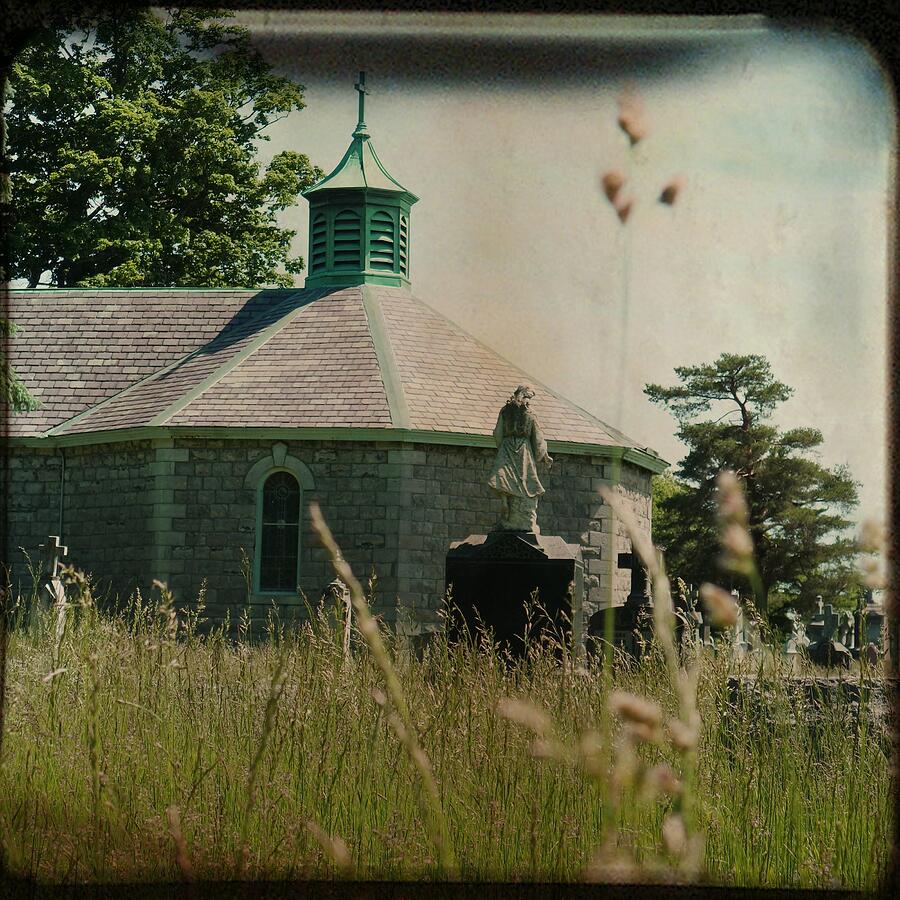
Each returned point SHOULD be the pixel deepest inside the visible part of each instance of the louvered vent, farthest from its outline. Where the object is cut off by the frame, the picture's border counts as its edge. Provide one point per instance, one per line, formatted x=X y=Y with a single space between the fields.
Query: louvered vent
x=381 y=242
x=347 y=240
x=319 y=252
x=404 y=229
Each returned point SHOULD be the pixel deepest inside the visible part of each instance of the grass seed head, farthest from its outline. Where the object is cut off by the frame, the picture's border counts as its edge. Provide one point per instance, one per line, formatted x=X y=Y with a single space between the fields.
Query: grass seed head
x=635 y=709
x=720 y=605
x=632 y=118
x=681 y=736
x=730 y=496
x=612 y=183
x=659 y=780
x=526 y=714
x=674 y=834
x=548 y=749
x=871 y=536
x=671 y=191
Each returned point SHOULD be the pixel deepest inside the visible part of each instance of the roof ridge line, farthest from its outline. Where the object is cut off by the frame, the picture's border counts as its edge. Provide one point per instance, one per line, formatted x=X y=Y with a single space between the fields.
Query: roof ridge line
x=72 y=420
x=540 y=384
x=387 y=360
x=232 y=362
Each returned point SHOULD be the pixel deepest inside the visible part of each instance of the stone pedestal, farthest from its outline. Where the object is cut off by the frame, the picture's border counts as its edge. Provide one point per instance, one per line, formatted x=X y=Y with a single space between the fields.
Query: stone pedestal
x=492 y=577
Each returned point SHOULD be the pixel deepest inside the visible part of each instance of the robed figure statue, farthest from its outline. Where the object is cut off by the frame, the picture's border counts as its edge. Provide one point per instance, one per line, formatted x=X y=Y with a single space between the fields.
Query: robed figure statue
x=520 y=447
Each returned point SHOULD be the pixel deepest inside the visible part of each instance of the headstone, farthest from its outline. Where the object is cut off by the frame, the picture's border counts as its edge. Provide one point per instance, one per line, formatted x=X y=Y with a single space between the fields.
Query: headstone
x=798 y=641
x=815 y=628
x=846 y=630
x=869 y=627
x=825 y=632
x=688 y=619
x=491 y=579
x=338 y=609
x=51 y=553
x=633 y=621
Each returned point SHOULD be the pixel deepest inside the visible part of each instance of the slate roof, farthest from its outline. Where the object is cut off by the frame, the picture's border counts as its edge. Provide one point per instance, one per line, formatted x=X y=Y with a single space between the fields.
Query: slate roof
x=357 y=357
x=78 y=347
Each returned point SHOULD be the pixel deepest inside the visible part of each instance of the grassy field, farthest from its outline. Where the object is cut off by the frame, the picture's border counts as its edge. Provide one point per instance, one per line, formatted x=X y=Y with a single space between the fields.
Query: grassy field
x=135 y=748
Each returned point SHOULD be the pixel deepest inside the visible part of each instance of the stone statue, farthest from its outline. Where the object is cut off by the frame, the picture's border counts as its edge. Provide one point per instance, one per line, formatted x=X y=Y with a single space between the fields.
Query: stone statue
x=514 y=477
x=798 y=639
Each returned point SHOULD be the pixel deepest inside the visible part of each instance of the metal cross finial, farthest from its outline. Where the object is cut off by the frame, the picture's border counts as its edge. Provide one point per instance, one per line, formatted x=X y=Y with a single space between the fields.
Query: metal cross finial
x=360 y=86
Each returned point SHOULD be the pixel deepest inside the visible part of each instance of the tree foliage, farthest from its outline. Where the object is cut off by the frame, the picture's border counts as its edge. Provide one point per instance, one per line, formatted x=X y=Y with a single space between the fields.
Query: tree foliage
x=133 y=142
x=798 y=507
x=13 y=394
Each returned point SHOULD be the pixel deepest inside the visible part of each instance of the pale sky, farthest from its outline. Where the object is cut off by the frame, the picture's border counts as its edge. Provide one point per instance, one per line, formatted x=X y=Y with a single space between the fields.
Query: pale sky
x=777 y=245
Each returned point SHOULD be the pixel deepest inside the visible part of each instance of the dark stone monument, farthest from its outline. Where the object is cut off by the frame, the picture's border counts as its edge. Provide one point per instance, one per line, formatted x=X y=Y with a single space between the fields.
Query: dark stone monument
x=869 y=627
x=633 y=620
x=826 y=648
x=491 y=579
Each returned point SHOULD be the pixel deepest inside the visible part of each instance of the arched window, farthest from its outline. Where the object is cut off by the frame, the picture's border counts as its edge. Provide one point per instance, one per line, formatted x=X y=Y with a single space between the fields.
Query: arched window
x=279 y=533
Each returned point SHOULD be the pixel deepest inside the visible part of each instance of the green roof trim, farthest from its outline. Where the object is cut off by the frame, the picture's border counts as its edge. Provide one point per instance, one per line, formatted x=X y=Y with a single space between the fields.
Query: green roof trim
x=639 y=458
x=393 y=385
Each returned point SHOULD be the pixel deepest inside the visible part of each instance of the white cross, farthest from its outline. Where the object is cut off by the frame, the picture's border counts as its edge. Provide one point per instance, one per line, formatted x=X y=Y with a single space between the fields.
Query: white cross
x=52 y=551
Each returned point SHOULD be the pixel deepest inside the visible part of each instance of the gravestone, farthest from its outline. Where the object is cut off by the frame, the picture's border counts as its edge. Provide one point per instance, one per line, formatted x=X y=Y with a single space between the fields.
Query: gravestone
x=825 y=648
x=338 y=609
x=51 y=584
x=744 y=635
x=491 y=579
x=798 y=642
x=633 y=620
x=688 y=619
x=869 y=627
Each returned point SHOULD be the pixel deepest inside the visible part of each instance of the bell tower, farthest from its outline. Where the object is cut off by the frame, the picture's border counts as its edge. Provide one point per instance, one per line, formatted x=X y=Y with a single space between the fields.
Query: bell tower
x=359 y=218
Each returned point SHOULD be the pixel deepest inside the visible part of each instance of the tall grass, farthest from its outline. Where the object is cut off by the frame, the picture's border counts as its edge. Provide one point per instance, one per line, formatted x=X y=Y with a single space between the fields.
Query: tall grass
x=138 y=748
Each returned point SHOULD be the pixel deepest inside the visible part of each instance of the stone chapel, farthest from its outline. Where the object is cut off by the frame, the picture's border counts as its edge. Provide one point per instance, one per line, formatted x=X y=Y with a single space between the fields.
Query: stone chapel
x=182 y=433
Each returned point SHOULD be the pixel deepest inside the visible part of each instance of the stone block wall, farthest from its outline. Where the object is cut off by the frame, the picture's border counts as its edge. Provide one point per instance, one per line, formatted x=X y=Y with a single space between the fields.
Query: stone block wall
x=31 y=509
x=181 y=511
x=213 y=522
x=97 y=497
x=106 y=514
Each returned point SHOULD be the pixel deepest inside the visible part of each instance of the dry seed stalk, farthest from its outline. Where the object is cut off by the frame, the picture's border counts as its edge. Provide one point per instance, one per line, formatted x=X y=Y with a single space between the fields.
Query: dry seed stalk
x=368 y=628
x=683 y=682
x=182 y=857
x=334 y=847
x=275 y=689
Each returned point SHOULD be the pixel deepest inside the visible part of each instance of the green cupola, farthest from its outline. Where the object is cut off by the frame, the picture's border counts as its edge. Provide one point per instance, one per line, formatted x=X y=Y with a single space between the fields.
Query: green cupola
x=358 y=218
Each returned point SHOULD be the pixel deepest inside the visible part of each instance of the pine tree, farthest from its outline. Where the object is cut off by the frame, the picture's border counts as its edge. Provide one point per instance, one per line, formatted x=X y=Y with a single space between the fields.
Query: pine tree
x=798 y=508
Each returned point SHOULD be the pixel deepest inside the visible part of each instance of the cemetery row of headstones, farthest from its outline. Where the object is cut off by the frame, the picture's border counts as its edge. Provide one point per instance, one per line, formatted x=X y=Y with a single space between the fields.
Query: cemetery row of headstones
x=831 y=637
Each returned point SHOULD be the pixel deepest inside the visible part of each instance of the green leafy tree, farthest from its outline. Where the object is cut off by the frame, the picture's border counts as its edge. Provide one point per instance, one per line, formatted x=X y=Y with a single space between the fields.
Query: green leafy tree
x=133 y=140
x=13 y=394
x=798 y=507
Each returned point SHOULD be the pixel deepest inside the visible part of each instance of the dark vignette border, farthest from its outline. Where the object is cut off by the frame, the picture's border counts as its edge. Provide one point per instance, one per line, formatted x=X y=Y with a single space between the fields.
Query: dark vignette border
x=874 y=22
